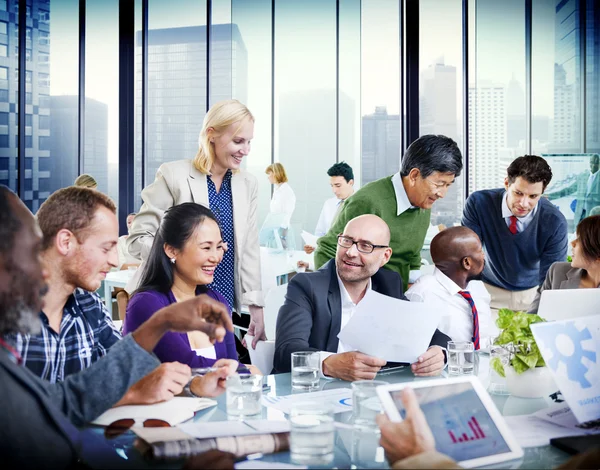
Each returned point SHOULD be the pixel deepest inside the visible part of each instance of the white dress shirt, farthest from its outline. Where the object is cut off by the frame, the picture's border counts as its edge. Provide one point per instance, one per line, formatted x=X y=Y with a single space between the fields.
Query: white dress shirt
x=328 y=213
x=348 y=309
x=124 y=256
x=402 y=205
x=590 y=182
x=283 y=202
x=457 y=319
x=522 y=222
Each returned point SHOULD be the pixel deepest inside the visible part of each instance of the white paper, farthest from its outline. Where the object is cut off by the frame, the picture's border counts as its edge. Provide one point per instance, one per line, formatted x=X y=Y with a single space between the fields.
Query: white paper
x=530 y=431
x=560 y=414
x=340 y=399
x=258 y=464
x=309 y=238
x=571 y=349
x=174 y=411
x=391 y=329
x=211 y=429
x=153 y=435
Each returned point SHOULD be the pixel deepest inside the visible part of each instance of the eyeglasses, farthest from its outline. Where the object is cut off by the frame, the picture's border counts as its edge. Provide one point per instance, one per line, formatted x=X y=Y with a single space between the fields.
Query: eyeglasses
x=118 y=427
x=361 y=246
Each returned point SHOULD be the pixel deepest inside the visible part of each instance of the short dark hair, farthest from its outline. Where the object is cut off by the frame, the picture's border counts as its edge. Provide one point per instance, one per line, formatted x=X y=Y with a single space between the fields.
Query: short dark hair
x=176 y=228
x=431 y=153
x=341 y=169
x=9 y=223
x=532 y=168
x=588 y=232
x=71 y=208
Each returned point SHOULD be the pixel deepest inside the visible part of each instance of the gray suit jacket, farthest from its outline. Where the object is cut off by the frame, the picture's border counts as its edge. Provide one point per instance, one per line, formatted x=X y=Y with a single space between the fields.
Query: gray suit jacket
x=178 y=182
x=311 y=316
x=560 y=276
x=39 y=418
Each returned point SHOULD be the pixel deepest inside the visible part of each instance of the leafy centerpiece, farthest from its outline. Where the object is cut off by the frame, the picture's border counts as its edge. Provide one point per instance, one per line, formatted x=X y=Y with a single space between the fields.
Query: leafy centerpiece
x=517 y=338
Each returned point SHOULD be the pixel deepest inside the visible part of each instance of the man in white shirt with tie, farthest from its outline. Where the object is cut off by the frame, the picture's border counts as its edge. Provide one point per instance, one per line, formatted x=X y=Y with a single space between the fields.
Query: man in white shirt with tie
x=454 y=287
x=341 y=179
x=588 y=190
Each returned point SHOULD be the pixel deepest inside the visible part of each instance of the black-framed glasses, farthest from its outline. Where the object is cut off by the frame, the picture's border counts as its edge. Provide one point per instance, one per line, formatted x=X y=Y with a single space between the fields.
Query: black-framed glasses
x=362 y=246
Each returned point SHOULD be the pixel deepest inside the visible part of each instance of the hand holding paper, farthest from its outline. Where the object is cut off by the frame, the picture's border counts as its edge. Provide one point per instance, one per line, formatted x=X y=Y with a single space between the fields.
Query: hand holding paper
x=392 y=329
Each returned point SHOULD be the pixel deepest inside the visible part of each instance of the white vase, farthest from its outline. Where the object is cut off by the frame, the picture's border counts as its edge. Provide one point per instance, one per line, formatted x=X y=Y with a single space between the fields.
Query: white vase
x=533 y=383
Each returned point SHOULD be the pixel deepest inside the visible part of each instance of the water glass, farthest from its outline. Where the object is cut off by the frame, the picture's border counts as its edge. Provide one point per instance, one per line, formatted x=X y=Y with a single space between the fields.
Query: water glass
x=461 y=358
x=366 y=451
x=305 y=370
x=498 y=384
x=365 y=402
x=244 y=394
x=312 y=434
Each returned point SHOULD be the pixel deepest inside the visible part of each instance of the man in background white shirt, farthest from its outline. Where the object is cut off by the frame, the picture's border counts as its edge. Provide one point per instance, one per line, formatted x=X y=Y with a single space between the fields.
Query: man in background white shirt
x=588 y=190
x=454 y=288
x=341 y=179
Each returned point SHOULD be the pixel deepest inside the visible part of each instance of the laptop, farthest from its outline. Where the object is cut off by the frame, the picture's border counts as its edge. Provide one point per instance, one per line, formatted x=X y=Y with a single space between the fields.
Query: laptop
x=571 y=350
x=564 y=304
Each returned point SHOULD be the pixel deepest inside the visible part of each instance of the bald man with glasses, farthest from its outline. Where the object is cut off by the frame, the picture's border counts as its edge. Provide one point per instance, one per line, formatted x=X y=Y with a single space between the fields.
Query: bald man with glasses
x=319 y=304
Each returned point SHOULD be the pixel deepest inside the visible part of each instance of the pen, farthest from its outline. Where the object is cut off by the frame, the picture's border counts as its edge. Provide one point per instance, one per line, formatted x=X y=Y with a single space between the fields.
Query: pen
x=200 y=371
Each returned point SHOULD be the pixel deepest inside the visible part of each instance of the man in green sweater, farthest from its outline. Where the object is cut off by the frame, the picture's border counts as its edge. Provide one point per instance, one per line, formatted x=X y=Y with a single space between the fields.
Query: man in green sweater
x=429 y=167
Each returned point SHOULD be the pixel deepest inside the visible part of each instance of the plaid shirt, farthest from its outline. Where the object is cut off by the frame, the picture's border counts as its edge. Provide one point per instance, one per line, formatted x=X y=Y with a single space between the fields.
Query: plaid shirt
x=86 y=334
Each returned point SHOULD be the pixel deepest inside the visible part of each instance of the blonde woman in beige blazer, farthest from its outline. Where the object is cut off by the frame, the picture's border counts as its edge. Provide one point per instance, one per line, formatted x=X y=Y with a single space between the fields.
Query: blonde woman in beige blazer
x=224 y=142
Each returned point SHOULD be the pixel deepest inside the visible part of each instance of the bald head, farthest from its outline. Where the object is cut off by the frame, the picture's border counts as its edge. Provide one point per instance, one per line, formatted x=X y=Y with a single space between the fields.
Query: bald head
x=458 y=253
x=371 y=227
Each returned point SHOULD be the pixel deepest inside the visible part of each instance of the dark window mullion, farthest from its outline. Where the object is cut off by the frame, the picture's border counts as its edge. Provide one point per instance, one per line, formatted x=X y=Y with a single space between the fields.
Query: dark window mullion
x=81 y=103
x=22 y=58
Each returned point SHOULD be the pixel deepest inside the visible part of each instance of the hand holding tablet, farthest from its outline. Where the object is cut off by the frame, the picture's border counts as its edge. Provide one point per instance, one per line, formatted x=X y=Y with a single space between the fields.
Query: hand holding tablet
x=455 y=416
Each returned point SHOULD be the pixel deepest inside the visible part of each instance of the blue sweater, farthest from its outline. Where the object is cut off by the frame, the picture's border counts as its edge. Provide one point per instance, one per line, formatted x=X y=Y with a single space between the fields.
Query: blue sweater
x=520 y=261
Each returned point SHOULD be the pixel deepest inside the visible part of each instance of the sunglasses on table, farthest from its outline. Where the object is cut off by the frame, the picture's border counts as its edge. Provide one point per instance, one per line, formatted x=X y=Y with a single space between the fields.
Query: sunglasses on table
x=120 y=426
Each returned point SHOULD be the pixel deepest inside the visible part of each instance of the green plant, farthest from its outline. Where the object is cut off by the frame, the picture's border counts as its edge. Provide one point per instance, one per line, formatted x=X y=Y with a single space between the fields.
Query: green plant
x=516 y=336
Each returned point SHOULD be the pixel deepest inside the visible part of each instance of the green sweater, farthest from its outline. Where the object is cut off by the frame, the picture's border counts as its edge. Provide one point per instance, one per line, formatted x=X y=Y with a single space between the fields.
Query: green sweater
x=408 y=229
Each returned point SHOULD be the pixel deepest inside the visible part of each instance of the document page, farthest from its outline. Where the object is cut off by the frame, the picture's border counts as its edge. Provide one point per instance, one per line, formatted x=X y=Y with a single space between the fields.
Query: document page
x=391 y=329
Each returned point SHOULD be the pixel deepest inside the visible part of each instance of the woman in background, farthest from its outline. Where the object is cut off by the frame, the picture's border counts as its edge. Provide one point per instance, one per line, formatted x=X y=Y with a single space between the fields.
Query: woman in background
x=214 y=178
x=186 y=251
x=283 y=202
x=86 y=181
x=583 y=272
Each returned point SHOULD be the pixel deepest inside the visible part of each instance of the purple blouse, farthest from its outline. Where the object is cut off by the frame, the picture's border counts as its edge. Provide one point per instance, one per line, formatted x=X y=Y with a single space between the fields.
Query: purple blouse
x=174 y=346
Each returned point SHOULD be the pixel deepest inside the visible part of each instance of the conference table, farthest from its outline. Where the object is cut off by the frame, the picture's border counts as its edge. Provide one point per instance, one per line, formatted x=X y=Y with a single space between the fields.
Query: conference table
x=280 y=385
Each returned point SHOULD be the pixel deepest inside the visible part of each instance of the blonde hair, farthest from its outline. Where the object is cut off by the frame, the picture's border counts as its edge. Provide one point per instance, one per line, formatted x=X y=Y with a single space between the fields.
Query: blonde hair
x=85 y=181
x=278 y=173
x=218 y=118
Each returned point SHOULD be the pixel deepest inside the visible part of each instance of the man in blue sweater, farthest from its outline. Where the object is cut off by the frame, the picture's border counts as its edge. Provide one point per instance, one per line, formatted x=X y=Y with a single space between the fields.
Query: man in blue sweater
x=522 y=232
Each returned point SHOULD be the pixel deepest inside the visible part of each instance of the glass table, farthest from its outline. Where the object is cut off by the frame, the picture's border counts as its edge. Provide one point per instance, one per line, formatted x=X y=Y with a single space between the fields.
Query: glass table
x=536 y=457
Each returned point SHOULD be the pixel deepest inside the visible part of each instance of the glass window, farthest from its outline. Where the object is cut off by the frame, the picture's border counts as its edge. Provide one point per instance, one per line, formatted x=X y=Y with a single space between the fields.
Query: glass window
x=101 y=152
x=44 y=38
x=3 y=73
x=3 y=119
x=441 y=93
x=497 y=98
x=176 y=80
x=3 y=50
x=303 y=91
x=3 y=27
x=380 y=89
x=252 y=44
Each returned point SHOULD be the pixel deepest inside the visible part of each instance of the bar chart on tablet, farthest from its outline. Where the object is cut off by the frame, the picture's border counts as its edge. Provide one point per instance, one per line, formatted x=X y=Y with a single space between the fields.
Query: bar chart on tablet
x=476 y=433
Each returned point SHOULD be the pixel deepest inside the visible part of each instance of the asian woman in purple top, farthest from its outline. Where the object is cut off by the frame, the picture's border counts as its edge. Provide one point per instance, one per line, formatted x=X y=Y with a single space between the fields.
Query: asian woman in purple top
x=186 y=250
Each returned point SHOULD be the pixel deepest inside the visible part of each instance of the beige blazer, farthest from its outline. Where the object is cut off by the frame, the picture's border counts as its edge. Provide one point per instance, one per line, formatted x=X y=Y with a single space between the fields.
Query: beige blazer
x=560 y=276
x=178 y=182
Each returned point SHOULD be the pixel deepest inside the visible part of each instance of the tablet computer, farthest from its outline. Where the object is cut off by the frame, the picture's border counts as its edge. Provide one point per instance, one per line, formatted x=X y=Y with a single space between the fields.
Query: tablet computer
x=464 y=421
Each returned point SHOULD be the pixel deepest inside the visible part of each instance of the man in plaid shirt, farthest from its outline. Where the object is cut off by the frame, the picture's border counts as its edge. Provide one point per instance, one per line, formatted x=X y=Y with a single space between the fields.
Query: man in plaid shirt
x=80 y=233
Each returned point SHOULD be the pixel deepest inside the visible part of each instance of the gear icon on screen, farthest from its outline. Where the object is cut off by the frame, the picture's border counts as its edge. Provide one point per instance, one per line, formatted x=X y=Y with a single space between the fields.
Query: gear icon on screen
x=566 y=338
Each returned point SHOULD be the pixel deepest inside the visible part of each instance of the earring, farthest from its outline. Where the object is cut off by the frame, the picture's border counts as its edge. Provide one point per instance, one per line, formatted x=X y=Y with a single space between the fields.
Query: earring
x=172 y=260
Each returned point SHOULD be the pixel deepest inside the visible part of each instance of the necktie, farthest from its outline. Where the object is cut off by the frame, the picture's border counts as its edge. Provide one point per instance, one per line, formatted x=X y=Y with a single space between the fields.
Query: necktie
x=468 y=298
x=513 y=225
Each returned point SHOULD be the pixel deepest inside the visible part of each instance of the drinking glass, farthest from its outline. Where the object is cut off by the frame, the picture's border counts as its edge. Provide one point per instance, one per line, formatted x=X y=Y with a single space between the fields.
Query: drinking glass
x=312 y=434
x=305 y=370
x=498 y=384
x=461 y=358
x=365 y=402
x=366 y=451
x=244 y=393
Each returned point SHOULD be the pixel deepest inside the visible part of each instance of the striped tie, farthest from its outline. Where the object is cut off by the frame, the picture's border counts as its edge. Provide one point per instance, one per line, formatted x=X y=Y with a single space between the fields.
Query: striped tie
x=468 y=298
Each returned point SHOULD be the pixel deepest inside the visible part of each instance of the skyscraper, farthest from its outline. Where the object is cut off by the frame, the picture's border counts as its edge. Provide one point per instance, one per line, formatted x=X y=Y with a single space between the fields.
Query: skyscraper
x=177 y=86
x=380 y=145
